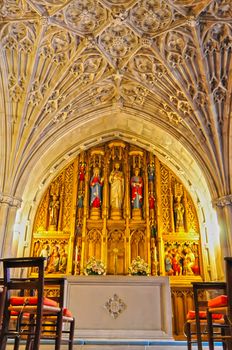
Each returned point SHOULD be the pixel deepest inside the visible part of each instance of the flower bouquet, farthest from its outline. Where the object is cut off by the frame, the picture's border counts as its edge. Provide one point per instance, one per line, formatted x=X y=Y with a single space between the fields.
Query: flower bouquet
x=95 y=267
x=139 y=267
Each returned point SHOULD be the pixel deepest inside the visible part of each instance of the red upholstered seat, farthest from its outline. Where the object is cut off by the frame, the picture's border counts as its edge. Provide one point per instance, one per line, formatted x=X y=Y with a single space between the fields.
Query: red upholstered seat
x=67 y=312
x=203 y=315
x=15 y=301
x=219 y=301
x=16 y=313
x=192 y=314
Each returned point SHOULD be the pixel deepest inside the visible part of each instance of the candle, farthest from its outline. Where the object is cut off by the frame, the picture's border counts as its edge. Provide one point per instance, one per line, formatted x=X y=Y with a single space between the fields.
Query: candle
x=76 y=253
x=155 y=254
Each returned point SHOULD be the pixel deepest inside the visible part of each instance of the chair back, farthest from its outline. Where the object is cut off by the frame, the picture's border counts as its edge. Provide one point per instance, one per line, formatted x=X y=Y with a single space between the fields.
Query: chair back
x=33 y=286
x=13 y=283
x=2 y=303
x=55 y=289
x=202 y=292
x=228 y=267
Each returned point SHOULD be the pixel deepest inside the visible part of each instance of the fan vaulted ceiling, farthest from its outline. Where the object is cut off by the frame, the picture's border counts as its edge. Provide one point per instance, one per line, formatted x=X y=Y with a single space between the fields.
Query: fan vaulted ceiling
x=64 y=61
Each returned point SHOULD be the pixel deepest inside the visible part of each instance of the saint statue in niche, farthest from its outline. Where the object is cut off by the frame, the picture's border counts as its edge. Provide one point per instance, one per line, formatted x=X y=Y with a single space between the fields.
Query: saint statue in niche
x=136 y=190
x=96 y=184
x=178 y=213
x=116 y=180
x=54 y=207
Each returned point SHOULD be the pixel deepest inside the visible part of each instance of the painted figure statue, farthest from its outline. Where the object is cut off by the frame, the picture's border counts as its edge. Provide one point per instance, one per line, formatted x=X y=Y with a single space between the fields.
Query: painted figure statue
x=116 y=180
x=96 y=184
x=136 y=189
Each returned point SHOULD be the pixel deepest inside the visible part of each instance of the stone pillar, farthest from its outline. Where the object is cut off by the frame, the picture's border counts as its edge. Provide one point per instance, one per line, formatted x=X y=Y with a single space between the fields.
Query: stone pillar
x=224 y=213
x=8 y=209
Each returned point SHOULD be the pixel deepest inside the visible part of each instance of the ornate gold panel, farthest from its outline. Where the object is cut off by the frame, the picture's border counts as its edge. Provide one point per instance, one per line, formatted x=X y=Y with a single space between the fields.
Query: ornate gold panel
x=116 y=252
x=93 y=244
x=182 y=301
x=115 y=202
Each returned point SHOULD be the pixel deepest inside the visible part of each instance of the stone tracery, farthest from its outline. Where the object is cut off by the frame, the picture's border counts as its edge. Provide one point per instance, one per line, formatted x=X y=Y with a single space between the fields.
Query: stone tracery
x=116 y=44
x=151 y=16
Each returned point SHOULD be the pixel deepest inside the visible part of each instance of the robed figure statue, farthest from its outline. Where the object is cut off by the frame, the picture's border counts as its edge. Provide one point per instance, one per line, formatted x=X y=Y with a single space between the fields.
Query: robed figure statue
x=96 y=184
x=136 y=190
x=116 y=180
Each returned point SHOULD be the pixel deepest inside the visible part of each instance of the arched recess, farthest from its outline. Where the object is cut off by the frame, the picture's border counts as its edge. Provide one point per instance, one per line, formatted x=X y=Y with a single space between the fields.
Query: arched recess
x=131 y=228
x=61 y=149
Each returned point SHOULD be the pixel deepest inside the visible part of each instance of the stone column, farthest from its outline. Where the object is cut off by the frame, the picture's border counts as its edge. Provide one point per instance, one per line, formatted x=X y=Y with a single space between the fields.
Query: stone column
x=8 y=209
x=224 y=212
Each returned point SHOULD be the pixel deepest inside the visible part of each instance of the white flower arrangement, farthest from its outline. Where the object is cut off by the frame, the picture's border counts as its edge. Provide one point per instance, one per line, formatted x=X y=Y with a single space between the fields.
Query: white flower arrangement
x=139 y=267
x=95 y=267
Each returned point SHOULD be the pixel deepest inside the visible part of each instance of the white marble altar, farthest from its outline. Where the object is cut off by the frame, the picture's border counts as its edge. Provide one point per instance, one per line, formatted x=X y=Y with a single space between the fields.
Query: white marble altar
x=121 y=307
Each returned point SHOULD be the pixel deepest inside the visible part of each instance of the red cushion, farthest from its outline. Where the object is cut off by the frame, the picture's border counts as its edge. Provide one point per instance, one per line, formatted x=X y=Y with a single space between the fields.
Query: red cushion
x=217 y=316
x=16 y=313
x=203 y=315
x=31 y=301
x=67 y=312
x=219 y=301
x=192 y=314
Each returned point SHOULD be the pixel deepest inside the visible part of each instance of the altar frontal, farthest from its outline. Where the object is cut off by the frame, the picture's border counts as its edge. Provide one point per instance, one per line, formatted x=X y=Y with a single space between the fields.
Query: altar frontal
x=121 y=307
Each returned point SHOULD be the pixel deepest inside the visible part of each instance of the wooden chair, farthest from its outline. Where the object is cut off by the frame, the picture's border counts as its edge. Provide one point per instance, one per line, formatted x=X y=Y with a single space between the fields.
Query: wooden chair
x=2 y=303
x=53 y=326
x=61 y=327
x=195 y=328
x=31 y=308
x=12 y=284
x=223 y=305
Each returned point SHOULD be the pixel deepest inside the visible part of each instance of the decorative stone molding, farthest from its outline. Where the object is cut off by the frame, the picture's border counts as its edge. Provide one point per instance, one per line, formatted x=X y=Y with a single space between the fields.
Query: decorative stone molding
x=115 y=306
x=220 y=10
x=151 y=16
x=118 y=40
x=15 y=9
x=86 y=16
x=223 y=201
x=10 y=201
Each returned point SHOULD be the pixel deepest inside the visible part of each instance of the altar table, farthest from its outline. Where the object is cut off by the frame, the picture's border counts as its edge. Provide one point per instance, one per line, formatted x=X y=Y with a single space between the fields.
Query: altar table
x=120 y=307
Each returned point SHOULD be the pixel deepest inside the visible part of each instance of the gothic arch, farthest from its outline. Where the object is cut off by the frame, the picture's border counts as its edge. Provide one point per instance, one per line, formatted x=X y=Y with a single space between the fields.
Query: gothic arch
x=206 y=214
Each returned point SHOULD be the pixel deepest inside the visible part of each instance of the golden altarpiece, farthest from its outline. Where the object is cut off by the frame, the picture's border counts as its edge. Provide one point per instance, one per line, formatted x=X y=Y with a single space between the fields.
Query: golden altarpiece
x=116 y=202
